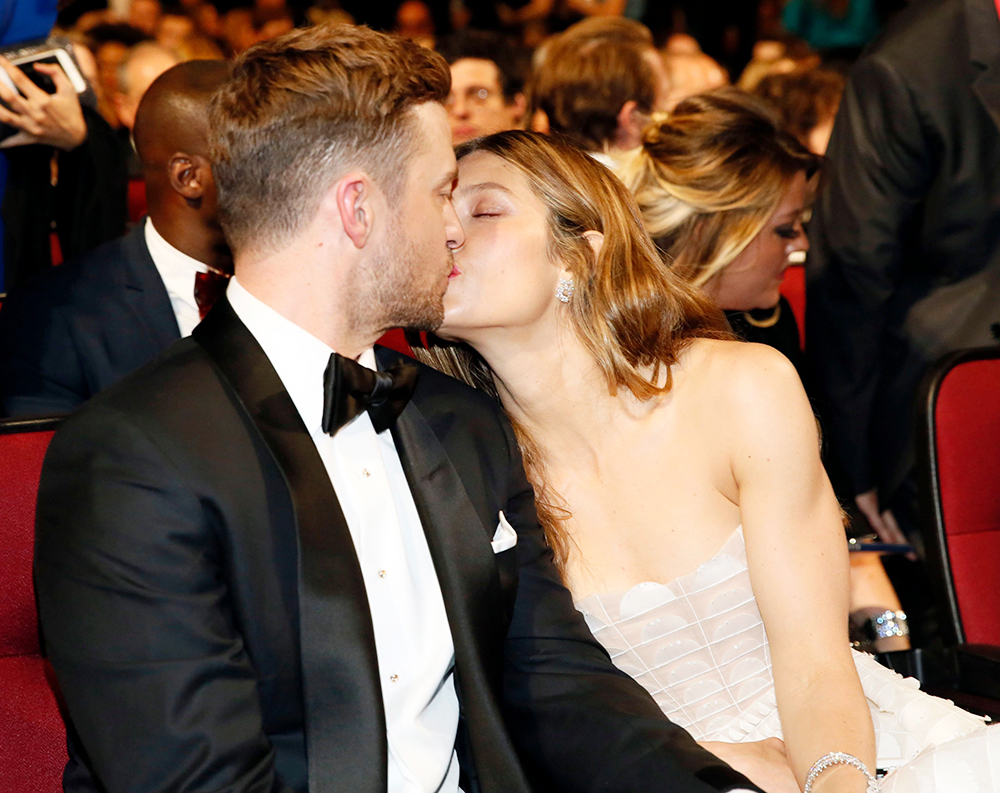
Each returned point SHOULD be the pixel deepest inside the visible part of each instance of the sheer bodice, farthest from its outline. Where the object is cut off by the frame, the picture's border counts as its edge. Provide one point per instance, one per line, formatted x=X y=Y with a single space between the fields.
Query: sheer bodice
x=699 y=647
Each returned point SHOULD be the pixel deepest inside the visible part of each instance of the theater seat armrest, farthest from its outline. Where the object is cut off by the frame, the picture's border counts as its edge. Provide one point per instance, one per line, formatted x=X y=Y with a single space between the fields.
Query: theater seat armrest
x=979 y=669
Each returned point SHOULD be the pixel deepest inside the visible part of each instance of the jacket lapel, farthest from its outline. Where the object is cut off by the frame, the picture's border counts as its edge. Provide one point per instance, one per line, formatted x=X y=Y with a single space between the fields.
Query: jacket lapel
x=459 y=545
x=474 y=598
x=145 y=293
x=342 y=697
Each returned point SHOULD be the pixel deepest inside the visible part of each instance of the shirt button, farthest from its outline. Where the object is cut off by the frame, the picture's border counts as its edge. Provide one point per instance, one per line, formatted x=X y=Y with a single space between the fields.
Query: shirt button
x=381 y=573
x=365 y=473
x=393 y=678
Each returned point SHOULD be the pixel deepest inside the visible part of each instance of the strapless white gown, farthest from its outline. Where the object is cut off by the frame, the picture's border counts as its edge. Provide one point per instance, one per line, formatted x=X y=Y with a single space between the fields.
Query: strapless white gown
x=699 y=647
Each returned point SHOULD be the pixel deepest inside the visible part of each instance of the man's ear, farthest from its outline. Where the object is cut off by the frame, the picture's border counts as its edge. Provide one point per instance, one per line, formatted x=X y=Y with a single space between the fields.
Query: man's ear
x=354 y=196
x=630 y=122
x=517 y=107
x=189 y=174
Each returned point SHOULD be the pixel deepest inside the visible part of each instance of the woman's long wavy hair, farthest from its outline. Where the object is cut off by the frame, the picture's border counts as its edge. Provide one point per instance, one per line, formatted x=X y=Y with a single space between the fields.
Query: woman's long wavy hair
x=633 y=314
x=708 y=177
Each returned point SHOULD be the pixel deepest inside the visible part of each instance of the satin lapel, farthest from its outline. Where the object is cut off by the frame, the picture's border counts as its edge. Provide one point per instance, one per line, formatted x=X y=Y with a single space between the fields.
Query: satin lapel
x=342 y=696
x=463 y=558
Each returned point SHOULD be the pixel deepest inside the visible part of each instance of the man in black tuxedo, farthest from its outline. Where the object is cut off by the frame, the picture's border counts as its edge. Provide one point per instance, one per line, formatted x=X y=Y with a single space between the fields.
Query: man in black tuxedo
x=82 y=326
x=249 y=582
x=905 y=261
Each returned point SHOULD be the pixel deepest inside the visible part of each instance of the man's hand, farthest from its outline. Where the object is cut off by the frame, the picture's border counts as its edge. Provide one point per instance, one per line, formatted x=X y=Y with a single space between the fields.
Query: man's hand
x=883 y=523
x=51 y=119
x=762 y=762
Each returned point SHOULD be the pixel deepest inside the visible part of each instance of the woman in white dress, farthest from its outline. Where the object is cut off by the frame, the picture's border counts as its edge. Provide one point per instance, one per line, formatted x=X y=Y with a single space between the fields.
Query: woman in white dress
x=677 y=473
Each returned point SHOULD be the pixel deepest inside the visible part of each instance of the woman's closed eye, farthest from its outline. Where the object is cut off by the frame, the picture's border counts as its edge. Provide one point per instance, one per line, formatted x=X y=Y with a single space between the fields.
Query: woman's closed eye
x=487 y=212
x=789 y=231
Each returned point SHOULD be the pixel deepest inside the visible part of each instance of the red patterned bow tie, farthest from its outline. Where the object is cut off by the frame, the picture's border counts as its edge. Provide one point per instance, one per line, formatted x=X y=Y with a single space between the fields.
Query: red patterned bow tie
x=209 y=287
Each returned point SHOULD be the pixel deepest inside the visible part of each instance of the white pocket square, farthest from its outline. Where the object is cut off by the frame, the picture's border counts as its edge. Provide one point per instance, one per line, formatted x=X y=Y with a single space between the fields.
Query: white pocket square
x=505 y=537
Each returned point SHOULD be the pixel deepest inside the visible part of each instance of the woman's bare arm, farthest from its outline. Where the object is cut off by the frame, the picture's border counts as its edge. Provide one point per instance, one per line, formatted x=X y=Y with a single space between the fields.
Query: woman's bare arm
x=798 y=564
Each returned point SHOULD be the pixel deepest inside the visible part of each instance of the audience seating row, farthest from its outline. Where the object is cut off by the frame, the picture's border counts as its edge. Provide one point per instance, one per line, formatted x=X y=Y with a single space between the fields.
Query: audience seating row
x=960 y=465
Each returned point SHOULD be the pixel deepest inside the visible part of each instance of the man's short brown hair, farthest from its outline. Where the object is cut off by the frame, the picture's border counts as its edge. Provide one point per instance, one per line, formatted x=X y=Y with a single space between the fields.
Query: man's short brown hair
x=583 y=83
x=302 y=109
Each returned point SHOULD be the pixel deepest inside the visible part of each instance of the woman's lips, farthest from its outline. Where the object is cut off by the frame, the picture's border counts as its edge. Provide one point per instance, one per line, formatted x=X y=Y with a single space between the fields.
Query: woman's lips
x=455 y=272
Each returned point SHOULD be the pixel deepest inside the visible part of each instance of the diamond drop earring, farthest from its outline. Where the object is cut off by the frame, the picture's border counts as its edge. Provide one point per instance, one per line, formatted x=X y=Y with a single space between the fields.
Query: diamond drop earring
x=565 y=290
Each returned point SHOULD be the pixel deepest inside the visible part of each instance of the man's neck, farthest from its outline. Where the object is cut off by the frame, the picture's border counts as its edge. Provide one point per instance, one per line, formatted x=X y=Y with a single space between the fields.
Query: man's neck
x=295 y=284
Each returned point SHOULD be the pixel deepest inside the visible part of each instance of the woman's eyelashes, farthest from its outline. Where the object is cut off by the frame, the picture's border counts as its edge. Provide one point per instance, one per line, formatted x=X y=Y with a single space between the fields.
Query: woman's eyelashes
x=789 y=231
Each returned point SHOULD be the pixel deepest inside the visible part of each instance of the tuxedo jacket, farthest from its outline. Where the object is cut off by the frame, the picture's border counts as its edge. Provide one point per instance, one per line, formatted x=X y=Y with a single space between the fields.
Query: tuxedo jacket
x=180 y=512
x=905 y=261
x=82 y=326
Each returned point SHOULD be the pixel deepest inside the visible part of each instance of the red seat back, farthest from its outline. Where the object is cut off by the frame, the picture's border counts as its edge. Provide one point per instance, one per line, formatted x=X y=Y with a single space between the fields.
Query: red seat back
x=136 y=200
x=32 y=733
x=793 y=288
x=395 y=339
x=963 y=434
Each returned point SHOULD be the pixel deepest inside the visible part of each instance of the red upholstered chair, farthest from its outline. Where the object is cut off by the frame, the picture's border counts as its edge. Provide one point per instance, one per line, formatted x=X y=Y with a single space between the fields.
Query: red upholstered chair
x=136 y=200
x=959 y=461
x=32 y=733
x=793 y=289
x=395 y=339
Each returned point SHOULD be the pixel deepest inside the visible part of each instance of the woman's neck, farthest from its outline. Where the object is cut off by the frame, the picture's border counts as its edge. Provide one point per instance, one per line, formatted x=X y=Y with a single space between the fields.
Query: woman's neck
x=552 y=386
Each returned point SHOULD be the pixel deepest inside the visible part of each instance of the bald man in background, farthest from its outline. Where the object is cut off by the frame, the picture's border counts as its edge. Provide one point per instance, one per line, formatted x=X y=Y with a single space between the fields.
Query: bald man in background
x=82 y=326
x=137 y=71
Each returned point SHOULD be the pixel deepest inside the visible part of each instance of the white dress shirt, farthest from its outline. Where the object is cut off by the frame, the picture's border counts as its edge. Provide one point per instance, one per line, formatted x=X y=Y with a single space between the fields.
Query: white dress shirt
x=177 y=270
x=412 y=636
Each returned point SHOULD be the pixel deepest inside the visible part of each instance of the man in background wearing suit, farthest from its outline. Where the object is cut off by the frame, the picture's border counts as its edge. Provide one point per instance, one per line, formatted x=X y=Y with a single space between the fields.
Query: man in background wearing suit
x=82 y=326
x=905 y=260
x=277 y=559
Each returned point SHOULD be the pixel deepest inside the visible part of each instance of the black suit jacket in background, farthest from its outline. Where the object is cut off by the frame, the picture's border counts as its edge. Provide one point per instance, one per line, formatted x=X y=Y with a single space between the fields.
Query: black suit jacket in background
x=88 y=203
x=81 y=327
x=175 y=512
x=905 y=261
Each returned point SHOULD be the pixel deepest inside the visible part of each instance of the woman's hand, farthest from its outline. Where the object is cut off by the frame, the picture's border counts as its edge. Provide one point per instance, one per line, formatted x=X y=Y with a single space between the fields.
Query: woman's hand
x=883 y=522
x=52 y=119
x=762 y=762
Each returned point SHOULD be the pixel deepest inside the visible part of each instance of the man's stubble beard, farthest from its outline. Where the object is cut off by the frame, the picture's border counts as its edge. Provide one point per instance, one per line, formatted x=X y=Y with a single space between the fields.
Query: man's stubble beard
x=392 y=294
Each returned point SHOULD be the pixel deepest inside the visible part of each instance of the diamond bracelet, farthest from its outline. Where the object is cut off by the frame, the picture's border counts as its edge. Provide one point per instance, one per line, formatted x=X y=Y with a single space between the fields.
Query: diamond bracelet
x=839 y=758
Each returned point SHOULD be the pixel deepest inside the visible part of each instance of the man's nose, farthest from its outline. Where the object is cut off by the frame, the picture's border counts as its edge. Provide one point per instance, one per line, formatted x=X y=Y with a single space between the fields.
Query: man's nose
x=453 y=228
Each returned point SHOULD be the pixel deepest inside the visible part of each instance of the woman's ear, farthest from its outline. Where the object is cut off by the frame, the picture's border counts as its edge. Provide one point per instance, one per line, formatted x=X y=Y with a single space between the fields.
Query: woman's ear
x=596 y=240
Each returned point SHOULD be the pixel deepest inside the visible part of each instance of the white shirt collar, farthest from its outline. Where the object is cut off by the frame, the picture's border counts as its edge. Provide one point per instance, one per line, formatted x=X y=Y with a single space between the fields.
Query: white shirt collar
x=299 y=358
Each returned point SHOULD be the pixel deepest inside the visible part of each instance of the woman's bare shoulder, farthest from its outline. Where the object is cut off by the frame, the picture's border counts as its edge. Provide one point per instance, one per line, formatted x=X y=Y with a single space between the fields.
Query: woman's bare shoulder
x=738 y=370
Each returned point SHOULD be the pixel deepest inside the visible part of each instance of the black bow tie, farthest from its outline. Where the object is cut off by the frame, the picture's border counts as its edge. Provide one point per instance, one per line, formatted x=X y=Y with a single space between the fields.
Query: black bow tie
x=349 y=388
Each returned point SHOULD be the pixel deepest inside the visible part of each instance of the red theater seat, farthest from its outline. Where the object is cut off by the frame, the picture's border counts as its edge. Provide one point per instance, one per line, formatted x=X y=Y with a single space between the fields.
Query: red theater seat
x=395 y=339
x=136 y=200
x=793 y=288
x=32 y=733
x=959 y=458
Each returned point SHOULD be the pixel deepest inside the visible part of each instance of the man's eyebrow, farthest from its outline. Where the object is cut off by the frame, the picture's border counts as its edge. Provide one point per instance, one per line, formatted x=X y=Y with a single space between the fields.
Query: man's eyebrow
x=449 y=179
x=482 y=187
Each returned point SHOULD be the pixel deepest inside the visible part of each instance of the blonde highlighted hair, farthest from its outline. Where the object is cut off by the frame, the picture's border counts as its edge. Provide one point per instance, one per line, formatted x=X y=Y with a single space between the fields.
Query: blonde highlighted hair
x=631 y=313
x=709 y=175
